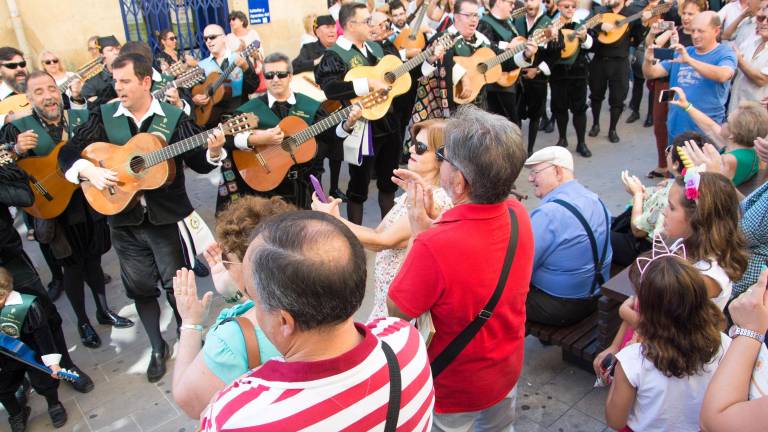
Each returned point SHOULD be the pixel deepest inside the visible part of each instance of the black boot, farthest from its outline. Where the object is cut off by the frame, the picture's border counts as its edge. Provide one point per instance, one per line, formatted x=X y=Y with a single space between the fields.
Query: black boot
x=633 y=117
x=156 y=368
x=19 y=421
x=582 y=149
x=562 y=142
x=88 y=336
x=113 y=319
x=595 y=131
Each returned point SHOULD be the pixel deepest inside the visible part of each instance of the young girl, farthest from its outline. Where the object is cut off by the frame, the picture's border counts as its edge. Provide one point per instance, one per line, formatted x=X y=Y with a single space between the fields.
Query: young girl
x=659 y=383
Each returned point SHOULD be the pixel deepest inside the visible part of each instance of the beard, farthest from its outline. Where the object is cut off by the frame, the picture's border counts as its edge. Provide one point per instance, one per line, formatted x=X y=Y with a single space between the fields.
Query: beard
x=18 y=87
x=45 y=115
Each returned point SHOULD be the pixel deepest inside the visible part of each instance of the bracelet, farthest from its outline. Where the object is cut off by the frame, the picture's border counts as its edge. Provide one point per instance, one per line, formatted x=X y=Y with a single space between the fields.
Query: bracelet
x=688 y=107
x=195 y=327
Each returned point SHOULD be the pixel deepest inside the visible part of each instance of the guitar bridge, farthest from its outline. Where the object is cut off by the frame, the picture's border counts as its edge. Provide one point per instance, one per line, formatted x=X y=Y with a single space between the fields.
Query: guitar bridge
x=40 y=188
x=263 y=162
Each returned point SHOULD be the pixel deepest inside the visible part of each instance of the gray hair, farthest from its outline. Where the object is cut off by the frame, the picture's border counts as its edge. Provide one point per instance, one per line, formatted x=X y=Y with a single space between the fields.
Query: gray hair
x=310 y=265
x=488 y=149
x=278 y=57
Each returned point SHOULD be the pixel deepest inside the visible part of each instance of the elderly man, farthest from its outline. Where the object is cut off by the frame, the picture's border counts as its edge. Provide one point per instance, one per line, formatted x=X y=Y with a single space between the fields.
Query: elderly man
x=306 y=273
x=481 y=249
x=703 y=71
x=324 y=28
x=571 y=229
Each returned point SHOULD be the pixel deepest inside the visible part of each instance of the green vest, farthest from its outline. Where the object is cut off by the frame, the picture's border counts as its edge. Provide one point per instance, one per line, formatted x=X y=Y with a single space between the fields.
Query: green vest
x=164 y=79
x=304 y=108
x=119 y=131
x=12 y=316
x=521 y=25
x=462 y=49
x=353 y=58
x=505 y=32
x=45 y=143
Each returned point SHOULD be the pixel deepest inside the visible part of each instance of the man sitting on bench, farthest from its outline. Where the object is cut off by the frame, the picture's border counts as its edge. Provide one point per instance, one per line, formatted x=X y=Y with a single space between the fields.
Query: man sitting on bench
x=571 y=231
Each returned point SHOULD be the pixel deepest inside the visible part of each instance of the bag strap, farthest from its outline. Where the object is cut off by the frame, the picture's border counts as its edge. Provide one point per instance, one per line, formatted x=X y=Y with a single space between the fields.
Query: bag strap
x=457 y=345
x=251 y=342
x=598 y=261
x=395 y=388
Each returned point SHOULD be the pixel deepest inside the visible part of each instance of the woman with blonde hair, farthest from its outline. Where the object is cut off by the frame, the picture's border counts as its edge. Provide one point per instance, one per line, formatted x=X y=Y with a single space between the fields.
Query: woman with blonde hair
x=390 y=239
x=51 y=63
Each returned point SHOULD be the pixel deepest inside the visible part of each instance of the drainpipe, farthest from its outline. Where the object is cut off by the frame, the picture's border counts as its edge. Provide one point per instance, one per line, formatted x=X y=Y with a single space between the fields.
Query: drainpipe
x=21 y=38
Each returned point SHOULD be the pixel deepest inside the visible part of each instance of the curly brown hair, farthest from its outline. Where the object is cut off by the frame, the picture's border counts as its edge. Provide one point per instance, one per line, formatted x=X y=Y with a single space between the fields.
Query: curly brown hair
x=714 y=221
x=679 y=323
x=236 y=222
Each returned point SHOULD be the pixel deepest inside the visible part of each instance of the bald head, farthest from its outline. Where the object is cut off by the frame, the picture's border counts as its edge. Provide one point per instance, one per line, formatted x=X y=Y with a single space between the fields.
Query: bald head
x=709 y=18
x=705 y=28
x=213 y=35
x=213 y=28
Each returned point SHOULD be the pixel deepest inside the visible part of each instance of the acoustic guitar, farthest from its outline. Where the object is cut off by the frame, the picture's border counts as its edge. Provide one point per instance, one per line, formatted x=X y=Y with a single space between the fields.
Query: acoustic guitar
x=394 y=72
x=510 y=78
x=16 y=104
x=413 y=37
x=621 y=23
x=571 y=41
x=86 y=72
x=263 y=168
x=484 y=67
x=188 y=79
x=145 y=163
x=212 y=87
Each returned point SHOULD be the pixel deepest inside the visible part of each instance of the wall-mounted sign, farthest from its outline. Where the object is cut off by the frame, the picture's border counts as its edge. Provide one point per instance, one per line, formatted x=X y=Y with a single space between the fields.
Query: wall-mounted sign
x=258 y=11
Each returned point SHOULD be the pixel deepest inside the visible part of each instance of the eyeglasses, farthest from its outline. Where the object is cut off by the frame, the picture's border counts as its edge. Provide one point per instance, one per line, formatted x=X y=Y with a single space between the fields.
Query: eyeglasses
x=269 y=76
x=171 y=38
x=760 y=18
x=470 y=16
x=227 y=264
x=50 y=62
x=21 y=64
x=366 y=21
x=211 y=37
x=536 y=172
x=421 y=148
x=568 y=6
x=441 y=156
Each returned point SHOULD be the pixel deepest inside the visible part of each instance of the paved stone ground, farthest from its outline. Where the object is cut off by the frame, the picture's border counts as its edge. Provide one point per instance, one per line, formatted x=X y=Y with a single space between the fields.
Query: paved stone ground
x=553 y=395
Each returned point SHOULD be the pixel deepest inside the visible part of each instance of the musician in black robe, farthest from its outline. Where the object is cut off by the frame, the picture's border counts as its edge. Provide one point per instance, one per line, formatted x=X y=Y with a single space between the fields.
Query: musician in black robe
x=100 y=89
x=324 y=28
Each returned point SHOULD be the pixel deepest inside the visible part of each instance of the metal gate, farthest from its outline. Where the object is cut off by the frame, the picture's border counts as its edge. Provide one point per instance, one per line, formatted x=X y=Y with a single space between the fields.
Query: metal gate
x=144 y=19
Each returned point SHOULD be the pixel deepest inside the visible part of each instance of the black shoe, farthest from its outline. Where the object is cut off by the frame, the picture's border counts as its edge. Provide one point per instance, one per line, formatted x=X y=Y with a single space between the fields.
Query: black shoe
x=156 y=368
x=88 y=336
x=58 y=415
x=562 y=142
x=635 y=116
x=201 y=270
x=550 y=126
x=113 y=319
x=337 y=193
x=55 y=288
x=543 y=123
x=595 y=131
x=107 y=279
x=19 y=421
x=84 y=384
x=648 y=122
x=22 y=393
x=582 y=149
x=613 y=136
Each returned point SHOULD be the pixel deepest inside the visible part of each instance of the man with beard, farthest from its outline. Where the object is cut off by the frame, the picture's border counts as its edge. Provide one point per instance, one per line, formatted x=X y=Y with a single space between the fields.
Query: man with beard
x=82 y=235
x=145 y=235
x=13 y=69
x=100 y=88
x=310 y=55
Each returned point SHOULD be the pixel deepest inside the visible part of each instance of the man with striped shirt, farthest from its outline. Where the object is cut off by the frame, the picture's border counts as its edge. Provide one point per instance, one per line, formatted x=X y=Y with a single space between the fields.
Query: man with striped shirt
x=306 y=273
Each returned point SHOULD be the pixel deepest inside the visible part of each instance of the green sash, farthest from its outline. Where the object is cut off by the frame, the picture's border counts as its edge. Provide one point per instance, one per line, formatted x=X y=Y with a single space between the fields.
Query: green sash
x=464 y=49
x=506 y=32
x=45 y=143
x=164 y=79
x=521 y=25
x=12 y=316
x=353 y=58
x=304 y=108
x=119 y=131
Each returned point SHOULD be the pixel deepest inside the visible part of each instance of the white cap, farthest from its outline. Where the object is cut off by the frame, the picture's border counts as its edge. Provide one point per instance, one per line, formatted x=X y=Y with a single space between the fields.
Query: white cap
x=555 y=155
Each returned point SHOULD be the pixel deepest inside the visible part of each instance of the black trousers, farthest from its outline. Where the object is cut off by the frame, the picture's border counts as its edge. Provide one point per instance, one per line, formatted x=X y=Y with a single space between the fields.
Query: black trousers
x=12 y=375
x=611 y=74
x=570 y=94
x=148 y=253
x=505 y=103
x=626 y=248
x=387 y=150
x=543 y=308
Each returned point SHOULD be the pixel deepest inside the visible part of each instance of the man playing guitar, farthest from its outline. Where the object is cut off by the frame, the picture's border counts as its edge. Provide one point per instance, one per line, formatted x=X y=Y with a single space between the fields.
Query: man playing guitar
x=145 y=235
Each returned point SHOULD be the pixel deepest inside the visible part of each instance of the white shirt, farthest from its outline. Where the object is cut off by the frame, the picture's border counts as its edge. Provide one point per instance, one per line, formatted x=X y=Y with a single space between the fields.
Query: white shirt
x=730 y=12
x=714 y=271
x=662 y=403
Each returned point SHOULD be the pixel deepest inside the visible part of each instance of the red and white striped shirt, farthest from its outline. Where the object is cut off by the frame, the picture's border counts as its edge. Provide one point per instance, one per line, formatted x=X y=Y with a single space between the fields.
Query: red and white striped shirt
x=349 y=392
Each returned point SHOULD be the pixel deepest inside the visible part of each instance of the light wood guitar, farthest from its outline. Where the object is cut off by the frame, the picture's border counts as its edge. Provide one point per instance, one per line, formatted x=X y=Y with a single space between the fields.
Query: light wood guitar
x=145 y=163
x=188 y=79
x=264 y=167
x=571 y=41
x=17 y=105
x=484 y=67
x=86 y=72
x=413 y=37
x=394 y=72
x=510 y=78
x=621 y=23
x=214 y=87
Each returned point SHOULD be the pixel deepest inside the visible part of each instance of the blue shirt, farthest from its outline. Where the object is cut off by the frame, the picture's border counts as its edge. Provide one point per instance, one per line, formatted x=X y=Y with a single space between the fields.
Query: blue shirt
x=562 y=264
x=224 y=351
x=706 y=95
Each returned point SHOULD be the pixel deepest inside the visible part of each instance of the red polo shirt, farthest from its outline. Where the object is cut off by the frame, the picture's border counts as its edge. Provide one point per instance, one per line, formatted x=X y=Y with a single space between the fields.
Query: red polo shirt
x=452 y=270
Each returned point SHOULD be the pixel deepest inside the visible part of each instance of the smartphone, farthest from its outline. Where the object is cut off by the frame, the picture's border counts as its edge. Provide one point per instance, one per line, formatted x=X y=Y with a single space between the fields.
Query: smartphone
x=608 y=364
x=666 y=25
x=318 y=189
x=663 y=53
x=666 y=96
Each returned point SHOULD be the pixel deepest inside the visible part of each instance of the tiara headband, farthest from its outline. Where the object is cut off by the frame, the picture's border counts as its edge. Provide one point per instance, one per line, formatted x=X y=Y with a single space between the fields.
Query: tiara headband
x=660 y=249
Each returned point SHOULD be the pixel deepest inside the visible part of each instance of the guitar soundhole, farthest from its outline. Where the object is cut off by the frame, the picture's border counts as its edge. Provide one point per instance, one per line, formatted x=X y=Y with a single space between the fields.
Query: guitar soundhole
x=389 y=77
x=482 y=68
x=138 y=164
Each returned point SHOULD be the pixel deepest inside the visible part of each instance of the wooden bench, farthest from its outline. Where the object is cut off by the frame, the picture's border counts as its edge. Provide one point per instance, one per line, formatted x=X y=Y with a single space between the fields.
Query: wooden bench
x=579 y=342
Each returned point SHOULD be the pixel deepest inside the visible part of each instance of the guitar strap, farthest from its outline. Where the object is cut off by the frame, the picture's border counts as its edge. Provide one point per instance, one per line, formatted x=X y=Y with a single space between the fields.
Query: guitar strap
x=119 y=131
x=353 y=58
x=506 y=32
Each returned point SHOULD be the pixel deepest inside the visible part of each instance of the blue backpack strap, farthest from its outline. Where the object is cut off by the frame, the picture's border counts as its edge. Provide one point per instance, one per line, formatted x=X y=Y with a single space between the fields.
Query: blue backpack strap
x=598 y=279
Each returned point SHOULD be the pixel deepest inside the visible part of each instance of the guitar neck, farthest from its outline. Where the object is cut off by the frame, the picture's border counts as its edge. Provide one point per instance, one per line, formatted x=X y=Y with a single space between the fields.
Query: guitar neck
x=517 y=13
x=65 y=85
x=419 y=20
x=222 y=78
x=321 y=126
x=412 y=63
x=506 y=55
x=183 y=146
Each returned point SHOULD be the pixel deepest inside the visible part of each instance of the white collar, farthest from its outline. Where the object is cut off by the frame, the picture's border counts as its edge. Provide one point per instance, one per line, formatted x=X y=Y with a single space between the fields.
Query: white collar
x=479 y=37
x=5 y=90
x=156 y=76
x=154 y=108
x=347 y=44
x=271 y=99
x=14 y=298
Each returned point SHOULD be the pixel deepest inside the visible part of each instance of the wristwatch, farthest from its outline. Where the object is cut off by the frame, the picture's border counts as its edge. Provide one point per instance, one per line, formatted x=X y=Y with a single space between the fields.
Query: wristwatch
x=739 y=331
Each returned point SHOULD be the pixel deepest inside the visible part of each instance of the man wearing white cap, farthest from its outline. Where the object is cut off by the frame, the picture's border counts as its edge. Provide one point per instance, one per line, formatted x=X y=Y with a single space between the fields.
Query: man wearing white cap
x=571 y=231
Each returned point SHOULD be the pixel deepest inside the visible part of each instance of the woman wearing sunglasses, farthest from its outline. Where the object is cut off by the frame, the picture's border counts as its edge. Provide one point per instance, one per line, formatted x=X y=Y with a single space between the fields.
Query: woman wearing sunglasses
x=390 y=239
x=51 y=63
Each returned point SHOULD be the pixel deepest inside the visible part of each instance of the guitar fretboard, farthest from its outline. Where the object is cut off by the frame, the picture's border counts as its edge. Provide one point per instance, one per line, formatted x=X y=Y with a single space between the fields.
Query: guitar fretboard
x=418 y=22
x=319 y=127
x=171 y=151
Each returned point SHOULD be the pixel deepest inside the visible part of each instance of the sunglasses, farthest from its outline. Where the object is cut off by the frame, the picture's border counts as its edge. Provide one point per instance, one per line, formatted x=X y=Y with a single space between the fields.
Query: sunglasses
x=760 y=18
x=21 y=64
x=441 y=156
x=211 y=37
x=171 y=38
x=271 y=75
x=50 y=62
x=421 y=148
